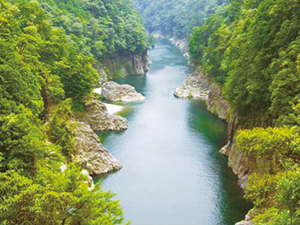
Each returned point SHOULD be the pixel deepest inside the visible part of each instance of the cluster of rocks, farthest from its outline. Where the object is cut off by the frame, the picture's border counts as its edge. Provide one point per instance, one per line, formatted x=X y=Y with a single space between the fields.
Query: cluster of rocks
x=181 y=44
x=98 y=118
x=91 y=153
x=114 y=92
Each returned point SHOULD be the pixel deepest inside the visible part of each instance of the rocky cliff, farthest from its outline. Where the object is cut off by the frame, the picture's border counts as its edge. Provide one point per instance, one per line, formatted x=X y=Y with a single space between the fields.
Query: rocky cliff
x=182 y=44
x=90 y=152
x=124 y=66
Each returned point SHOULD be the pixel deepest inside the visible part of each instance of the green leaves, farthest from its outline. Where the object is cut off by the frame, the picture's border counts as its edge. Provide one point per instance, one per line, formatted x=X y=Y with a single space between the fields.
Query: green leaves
x=61 y=129
x=271 y=148
x=21 y=142
x=252 y=48
x=55 y=197
x=40 y=65
x=175 y=18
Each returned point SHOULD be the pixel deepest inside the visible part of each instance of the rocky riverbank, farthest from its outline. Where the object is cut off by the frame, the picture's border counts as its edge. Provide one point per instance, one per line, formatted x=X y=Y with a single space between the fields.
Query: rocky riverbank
x=98 y=118
x=182 y=44
x=201 y=86
x=90 y=152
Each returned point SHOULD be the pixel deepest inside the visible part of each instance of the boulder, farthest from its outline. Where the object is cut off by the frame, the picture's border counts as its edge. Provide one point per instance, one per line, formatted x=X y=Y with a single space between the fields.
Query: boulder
x=91 y=153
x=114 y=92
x=195 y=86
x=99 y=119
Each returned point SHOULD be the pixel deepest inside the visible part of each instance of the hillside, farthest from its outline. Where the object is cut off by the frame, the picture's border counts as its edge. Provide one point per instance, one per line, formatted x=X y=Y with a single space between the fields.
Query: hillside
x=251 y=49
x=49 y=52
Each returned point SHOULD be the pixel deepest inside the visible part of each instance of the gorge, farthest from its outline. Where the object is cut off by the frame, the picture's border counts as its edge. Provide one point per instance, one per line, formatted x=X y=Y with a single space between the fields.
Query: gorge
x=172 y=171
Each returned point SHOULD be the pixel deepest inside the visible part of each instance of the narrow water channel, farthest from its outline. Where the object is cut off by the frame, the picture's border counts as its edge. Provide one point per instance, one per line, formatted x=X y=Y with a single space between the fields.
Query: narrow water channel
x=173 y=172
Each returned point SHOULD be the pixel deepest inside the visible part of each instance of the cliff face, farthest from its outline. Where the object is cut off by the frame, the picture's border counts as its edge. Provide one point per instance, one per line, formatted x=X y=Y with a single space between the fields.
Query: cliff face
x=124 y=66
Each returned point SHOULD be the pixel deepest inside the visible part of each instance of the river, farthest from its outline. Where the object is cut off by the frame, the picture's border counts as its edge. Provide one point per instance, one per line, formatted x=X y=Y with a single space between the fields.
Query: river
x=172 y=171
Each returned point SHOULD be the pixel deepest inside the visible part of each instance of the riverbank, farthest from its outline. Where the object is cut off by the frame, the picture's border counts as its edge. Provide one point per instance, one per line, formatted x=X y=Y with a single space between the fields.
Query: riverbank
x=182 y=44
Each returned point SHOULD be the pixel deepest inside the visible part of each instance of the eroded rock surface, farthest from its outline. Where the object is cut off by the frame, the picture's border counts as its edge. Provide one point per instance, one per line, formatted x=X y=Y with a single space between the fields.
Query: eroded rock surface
x=99 y=119
x=200 y=86
x=141 y=64
x=125 y=66
x=195 y=86
x=91 y=153
x=114 y=92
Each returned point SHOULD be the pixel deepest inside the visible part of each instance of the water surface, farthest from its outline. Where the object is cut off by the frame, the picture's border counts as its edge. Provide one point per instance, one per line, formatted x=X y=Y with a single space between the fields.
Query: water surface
x=172 y=171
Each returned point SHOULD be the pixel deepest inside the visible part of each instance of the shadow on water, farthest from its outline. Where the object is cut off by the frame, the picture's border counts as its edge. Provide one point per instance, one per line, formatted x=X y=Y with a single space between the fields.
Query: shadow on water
x=214 y=131
x=172 y=171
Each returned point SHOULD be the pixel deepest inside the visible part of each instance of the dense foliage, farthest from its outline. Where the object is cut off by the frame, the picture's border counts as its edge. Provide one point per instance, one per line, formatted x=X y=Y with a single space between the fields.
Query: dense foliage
x=175 y=18
x=48 y=52
x=252 y=48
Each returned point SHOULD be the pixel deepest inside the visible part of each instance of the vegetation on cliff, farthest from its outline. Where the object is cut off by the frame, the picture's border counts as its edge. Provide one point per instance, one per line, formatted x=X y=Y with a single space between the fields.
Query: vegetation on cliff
x=48 y=52
x=252 y=48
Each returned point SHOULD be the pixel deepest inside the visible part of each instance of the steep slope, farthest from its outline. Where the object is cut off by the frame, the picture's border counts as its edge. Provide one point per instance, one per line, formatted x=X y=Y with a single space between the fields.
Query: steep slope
x=251 y=48
x=48 y=53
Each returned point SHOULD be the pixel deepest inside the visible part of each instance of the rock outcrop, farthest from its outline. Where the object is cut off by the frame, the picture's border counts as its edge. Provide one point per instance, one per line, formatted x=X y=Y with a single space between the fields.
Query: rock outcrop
x=90 y=152
x=124 y=66
x=114 y=92
x=182 y=44
x=217 y=104
x=141 y=64
x=99 y=119
x=195 y=86
x=200 y=86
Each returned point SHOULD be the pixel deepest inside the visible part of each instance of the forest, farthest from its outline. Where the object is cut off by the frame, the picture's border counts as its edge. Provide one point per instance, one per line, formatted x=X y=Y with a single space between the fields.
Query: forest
x=252 y=49
x=49 y=49
x=175 y=18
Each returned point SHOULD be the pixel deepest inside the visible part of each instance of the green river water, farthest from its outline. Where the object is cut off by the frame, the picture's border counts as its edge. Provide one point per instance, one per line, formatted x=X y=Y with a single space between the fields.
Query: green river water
x=172 y=171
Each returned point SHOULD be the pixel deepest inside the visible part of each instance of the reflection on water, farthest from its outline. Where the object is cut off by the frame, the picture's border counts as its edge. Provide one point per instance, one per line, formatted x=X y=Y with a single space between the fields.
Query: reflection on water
x=172 y=170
